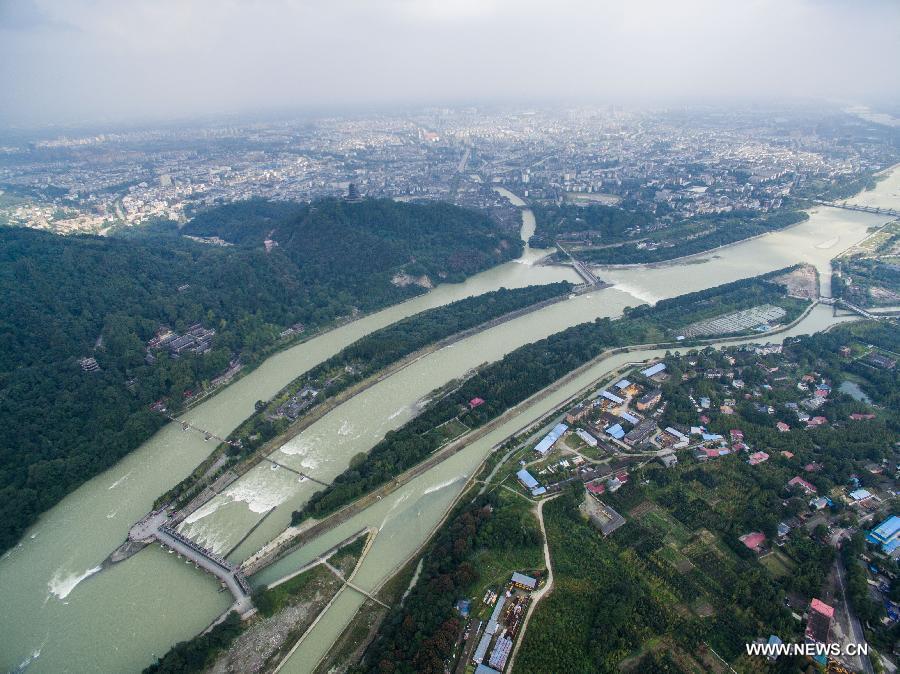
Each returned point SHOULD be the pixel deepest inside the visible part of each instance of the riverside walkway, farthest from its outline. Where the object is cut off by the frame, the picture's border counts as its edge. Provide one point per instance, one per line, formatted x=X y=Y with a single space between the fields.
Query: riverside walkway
x=582 y=270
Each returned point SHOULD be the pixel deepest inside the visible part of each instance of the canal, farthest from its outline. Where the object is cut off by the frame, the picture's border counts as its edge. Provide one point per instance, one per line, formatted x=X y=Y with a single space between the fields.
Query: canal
x=407 y=517
x=66 y=616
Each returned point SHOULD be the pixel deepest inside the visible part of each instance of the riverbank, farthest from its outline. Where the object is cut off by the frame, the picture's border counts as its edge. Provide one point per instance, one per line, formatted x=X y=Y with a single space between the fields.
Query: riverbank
x=521 y=433
x=346 y=583
x=213 y=466
x=696 y=258
x=296 y=537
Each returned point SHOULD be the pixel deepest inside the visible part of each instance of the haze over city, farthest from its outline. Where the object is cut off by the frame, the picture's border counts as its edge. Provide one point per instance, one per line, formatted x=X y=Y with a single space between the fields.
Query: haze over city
x=66 y=61
x=470 y=337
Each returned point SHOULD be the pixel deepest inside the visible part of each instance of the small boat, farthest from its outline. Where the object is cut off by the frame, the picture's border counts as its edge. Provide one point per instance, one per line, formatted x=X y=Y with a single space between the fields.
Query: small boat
x=274 y=466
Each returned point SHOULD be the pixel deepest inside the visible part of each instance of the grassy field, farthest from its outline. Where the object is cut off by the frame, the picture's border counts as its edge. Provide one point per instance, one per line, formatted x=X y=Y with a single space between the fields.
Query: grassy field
x=449 y=431
x=778 y=564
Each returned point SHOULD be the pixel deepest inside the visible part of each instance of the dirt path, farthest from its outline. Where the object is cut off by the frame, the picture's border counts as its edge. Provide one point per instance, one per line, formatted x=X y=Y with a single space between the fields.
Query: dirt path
x=540 y=594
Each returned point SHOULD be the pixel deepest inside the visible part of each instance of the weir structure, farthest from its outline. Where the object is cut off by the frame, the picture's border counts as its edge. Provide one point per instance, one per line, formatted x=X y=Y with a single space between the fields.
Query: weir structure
x=155 y=527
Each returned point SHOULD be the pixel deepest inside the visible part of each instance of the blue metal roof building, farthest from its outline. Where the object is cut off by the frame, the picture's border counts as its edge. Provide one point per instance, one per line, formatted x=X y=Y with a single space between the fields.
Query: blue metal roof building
x=653 y=369
x=616 y=431
x=886 y=534
x=544 y=445
x=484 y=669
x=527 y=582
x=612 y=397
x=527 y=479
x=481 y=650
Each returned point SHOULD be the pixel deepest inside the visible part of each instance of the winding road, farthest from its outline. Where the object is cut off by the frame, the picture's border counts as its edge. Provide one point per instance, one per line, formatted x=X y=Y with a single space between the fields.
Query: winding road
x=540 y=594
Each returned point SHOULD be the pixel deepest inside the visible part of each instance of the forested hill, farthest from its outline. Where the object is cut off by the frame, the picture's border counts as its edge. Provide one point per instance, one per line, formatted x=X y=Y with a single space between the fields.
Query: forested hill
x=68 y=298
x=440 y=240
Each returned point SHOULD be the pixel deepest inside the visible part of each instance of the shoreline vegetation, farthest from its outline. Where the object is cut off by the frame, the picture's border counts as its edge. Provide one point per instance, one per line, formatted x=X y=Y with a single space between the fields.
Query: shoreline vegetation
x=735 y=228
x=297 y=536
x=606 y=234
x=354 y=369
x=531 y=368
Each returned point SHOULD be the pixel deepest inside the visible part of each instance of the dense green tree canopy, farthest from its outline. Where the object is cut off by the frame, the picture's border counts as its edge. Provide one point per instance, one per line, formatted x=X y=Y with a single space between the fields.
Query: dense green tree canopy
x=66 y=298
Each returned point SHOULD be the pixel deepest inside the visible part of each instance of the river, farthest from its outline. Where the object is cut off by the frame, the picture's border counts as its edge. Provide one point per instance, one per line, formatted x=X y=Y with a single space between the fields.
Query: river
x=406 y=517
x=61 y=617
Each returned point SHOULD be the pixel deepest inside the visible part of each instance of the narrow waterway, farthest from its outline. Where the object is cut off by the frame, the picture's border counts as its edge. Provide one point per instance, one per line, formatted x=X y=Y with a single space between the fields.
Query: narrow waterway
x=827 y=233
x=325 y=449
x=61 y=616
x=407 y=517
x=885 y=195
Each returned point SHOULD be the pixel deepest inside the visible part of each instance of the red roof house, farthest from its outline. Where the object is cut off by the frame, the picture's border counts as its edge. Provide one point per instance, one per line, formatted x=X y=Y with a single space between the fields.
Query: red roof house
x=818 y=624
x=753 y=540
x=803 y=484
x=757 y=458
x=596 y=487
x=820 y=606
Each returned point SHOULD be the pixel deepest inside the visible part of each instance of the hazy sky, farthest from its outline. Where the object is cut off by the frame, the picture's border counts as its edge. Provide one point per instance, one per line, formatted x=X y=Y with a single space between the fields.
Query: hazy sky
x=84 y=60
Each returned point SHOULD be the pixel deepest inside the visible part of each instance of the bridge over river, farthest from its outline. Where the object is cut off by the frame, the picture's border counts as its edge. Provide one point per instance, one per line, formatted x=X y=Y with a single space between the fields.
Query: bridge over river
x=154 y=527
x=856 y=207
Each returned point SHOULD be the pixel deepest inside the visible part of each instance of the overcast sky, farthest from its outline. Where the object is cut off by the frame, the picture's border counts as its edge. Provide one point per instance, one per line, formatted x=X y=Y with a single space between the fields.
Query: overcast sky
x=90 y=60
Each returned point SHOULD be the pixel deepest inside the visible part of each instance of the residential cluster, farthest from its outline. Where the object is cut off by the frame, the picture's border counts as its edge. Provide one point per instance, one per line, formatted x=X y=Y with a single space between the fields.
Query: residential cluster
x=760 y=407
x=666 y=162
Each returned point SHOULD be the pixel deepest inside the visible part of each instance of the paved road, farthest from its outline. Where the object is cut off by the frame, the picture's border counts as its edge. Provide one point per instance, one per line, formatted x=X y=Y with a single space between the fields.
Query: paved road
x=146 y=529
x=857 y=635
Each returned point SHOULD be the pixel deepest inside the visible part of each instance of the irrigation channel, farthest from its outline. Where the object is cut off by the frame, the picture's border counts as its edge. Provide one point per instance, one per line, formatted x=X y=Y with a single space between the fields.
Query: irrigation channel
x=68 y=615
